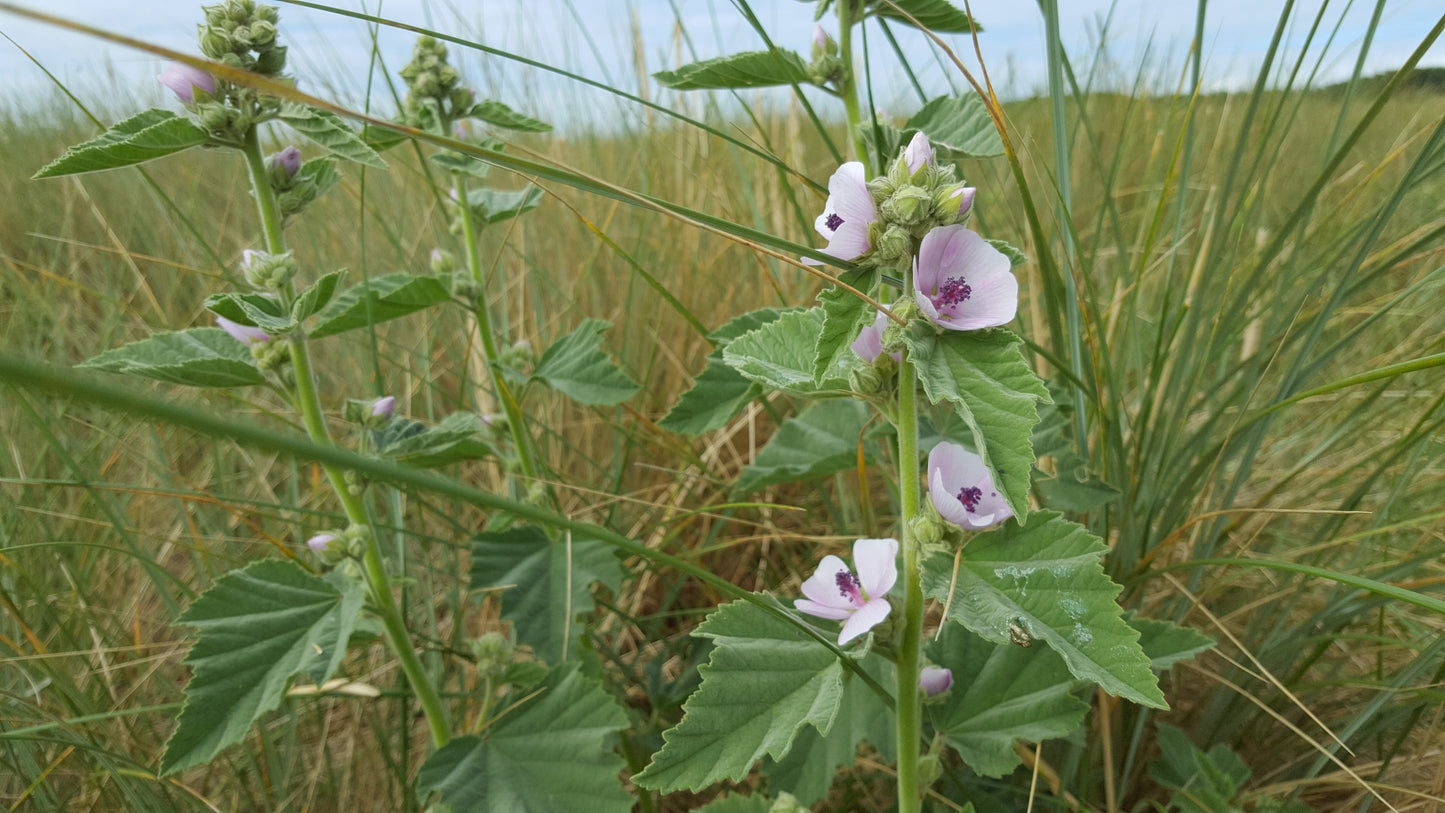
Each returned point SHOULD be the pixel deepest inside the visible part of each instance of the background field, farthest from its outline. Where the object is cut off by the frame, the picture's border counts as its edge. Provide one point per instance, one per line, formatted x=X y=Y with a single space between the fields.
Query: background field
x=1230 y=251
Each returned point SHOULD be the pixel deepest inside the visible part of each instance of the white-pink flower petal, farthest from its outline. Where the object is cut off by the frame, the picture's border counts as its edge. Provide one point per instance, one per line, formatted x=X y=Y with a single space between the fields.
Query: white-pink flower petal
x=866 y=618
x=848 y=213
x=918 y=153
x=877 y=563
x=962 y=488
x=822 y=587
x=961 y=282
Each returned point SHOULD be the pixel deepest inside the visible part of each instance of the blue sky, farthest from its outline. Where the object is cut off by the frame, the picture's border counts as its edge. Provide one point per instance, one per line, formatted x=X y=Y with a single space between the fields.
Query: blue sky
x=596 y=38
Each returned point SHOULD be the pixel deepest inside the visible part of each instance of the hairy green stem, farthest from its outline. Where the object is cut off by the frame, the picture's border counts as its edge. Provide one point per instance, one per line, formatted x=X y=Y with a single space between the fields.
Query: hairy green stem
x=848 y=87
x=520 y=439
x=308 y=402
x=910 y=709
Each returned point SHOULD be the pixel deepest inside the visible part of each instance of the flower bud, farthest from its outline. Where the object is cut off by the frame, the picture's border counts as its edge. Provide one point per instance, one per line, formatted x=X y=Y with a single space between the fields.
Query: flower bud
x=919 y=153
x=245 y=334
x=442 y=262
x=894 y=247
x=285 y=164
x=271 y=61
x=493 y=652
x=263 y=33
x=927 y=528
x=214 y=42
x=320 y=542
x=383 y=408
x=935 y=680
x=953 y=203
x=908 y=207
x=215 y=15
x=267 y=271
x=184 y=80
x=267 y=14
x=787 y=803
x=865 y=379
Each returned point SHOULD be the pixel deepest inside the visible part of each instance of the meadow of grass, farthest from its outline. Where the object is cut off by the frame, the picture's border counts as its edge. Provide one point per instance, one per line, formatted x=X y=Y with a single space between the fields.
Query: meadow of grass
x=1229 y=252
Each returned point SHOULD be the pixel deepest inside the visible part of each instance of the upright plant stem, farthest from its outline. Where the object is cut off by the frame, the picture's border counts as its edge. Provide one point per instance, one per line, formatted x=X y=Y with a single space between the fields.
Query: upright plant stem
x=848 y=87
x=520 y=439
x=308 y=403
x=910 y=710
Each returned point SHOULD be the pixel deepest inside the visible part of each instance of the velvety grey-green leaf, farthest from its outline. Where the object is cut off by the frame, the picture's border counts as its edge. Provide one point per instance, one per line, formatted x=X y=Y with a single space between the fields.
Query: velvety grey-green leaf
x=382 y=139
x=457 y=162
x=199 y=357
x=258 y=627
x=779 y=355
x=1167 y=643
x=329 y=131
x=959 y=126
x=499 y=115
x=1063 y=492
x=319 y=175
x=808 y=770
x=751 y=69
x=143 y=137
x=576 y=367
x=844 y=315
x=252 y=310
x=545 y=583
x=764 y=681
x=938 y=16
x=821 y=440
x=497 y=205
x=457 y=437
x=1206 y=782
x=719 y=392
x=378 y=300
x=983 y=374
x=548 y=755
x=1043 y=579
x=316 y=296
x=1002 y=693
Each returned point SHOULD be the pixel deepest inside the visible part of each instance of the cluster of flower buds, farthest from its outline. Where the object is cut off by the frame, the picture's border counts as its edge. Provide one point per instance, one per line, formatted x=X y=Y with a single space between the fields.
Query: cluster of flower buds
x=268 y=272
x=373 y=413
x=242 y=34
x=434 y=94
x=826 y=67
x=271 y=356
x=493 y=653
x=334 y=546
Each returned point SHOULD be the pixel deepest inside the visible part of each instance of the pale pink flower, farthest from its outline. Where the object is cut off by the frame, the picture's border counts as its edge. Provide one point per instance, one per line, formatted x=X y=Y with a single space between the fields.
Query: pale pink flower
x=935 y=680
x=961 y=282
x=858 y=600
x=245 y=334
x=869 y=344
x=383 y=407
x=919 y=152
x=847 y=215
x=962 y=488
x=289 y=160
x=320 y=542
x=183 y=80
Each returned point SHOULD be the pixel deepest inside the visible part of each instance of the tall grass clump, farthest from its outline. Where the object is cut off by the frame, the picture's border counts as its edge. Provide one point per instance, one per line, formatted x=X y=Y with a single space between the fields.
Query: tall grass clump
x=450 y=462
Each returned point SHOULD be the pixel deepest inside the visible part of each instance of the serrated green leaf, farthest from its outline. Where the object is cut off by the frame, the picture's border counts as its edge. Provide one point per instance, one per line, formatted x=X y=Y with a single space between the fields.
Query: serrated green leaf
x=1045 y=578
x=779 y=355
x=143 y=137
x=459 y=436
x=378 y=300
x=938 y=16
x=821 y=440
x=719 y=392
x=329 y=131
x=1167 y=643
x=1001 y=693
x=1065 y=493
x=549 y=755
x=258 y=627
x=499 y=115
x=576 y=367
x=959 y=126
x=808 y=770
x=316 y=296
x=252 y=310
x=844 y=315
x=199 y=357
x=318 y=175
x=382 y=139
x=547 y=583
x=496 y=205
x=764 y=681
x=983 y=374
x=751 y=69
x=1016 y=257
x=1206 y=782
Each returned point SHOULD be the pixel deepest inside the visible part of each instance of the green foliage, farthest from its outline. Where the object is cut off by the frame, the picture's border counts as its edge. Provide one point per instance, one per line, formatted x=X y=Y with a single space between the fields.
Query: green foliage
x=378 y=300
x=143 y=137
x=330 y=132
x=807 y=772
x=936 y=15
x=752 y=69
x=719 y=392
x=258 y=627
x=548 y=755
x=546 y=583
x=821 y=440
x=316 y=296
x=843 y=316
x=1043 y=580
x=1002 y=693
x=457 y=437
x=576 y=367
x=1203 y=782
x=251 y=309
x=1167 y=643
x=765 y=680
x=199 y=357
x=779 y=355
x=990 y=385
x=496 y=205
x=958 y=126
x=499 y=115
x=737 y=803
